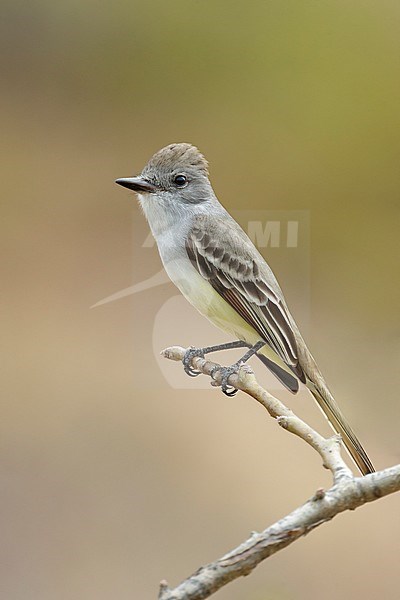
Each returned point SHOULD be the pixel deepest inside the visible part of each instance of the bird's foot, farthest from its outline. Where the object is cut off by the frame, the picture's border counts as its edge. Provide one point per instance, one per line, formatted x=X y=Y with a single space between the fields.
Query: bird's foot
x=187 y=360
x=225 y=373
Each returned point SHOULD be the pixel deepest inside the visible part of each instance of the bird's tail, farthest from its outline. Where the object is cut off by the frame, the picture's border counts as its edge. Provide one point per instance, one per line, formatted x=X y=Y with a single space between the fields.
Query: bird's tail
x=340 y=425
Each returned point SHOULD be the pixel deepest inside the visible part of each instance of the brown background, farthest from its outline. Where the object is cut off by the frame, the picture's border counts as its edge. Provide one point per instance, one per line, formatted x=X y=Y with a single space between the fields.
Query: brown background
x=111 y=478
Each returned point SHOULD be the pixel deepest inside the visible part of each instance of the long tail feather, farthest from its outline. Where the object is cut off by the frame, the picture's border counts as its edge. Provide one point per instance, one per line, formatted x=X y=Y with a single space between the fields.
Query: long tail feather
x=340 y=425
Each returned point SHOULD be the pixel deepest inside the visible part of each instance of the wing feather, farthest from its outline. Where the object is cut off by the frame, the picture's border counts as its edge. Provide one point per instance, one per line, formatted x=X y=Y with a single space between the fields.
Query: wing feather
x=224 y=255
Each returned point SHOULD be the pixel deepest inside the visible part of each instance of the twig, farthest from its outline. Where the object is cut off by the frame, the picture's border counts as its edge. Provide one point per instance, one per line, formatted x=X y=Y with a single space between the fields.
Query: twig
x=327 y=448
x=347 y=493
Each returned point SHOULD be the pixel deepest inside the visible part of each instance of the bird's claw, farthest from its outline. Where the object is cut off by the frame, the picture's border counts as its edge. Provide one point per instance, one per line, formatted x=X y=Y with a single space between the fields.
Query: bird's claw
x=225 y=373
x=187 y=359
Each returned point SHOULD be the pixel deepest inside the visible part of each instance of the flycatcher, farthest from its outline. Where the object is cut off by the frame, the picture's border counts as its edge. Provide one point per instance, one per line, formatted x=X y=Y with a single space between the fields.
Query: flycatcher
x=217 y=268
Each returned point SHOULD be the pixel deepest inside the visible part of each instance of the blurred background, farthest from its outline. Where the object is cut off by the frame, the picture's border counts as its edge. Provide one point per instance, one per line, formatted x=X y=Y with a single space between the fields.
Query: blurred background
x=117 y=472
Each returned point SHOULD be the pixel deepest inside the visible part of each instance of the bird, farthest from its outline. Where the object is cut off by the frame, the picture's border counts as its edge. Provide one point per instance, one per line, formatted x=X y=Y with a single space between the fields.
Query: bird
x=217 y=268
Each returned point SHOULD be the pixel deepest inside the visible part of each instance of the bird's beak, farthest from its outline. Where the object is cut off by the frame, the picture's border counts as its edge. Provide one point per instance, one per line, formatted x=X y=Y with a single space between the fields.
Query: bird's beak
x=137 y=184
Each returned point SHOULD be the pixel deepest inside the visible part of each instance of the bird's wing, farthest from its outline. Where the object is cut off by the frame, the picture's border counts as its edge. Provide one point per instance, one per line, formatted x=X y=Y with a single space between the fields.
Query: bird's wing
x=223 y=254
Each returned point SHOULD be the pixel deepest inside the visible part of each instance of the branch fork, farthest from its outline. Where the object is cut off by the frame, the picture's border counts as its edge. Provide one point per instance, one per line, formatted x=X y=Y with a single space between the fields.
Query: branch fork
x=245 y=380
x=347 y=492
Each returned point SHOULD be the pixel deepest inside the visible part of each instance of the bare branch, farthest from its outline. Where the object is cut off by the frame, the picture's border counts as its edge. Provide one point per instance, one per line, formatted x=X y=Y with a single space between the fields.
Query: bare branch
x=347 y=493
x=328 y=449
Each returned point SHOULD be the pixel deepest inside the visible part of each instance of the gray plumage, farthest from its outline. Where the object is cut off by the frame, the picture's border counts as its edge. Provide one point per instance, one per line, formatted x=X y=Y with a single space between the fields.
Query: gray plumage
x=202 y=247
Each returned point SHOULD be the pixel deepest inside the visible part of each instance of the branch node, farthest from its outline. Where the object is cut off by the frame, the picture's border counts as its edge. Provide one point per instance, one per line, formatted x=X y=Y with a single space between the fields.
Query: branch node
x=336 y=438
x=347 y=493
x=319 y=495
x=163 y=590
x=254 y=535
x=283 y=421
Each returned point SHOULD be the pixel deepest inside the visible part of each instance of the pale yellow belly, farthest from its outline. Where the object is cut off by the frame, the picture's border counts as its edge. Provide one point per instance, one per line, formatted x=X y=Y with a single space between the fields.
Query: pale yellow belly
x=208 y=302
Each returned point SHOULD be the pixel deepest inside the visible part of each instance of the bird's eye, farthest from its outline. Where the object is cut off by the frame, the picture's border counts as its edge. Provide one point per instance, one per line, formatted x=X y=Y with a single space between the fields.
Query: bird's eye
x=180 y=180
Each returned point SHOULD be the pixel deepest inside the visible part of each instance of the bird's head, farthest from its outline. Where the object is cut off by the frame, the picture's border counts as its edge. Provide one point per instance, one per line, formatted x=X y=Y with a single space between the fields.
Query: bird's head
x=175 y=174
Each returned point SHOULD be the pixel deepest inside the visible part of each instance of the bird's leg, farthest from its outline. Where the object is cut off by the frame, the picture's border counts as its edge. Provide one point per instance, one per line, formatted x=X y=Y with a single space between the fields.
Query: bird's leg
x=226 y=372
x=192 y=352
